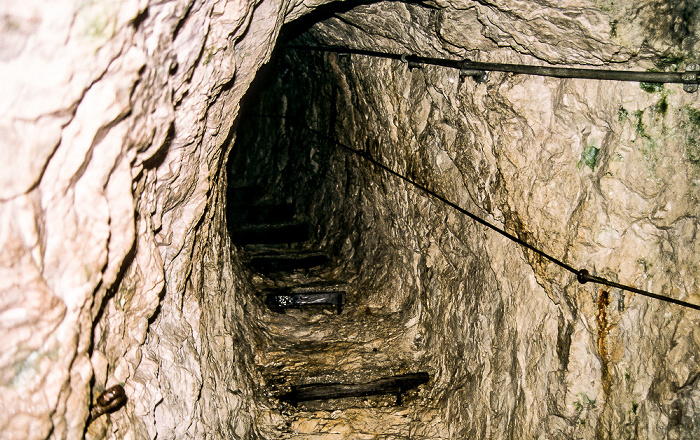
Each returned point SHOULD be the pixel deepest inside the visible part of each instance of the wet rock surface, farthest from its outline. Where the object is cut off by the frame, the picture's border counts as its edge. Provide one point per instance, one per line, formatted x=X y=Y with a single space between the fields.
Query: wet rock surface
x=507 y=336
x=117 y=266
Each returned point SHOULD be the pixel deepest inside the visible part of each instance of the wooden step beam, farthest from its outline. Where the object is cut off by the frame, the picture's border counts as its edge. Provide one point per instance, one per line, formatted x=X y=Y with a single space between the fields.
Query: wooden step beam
x=261 y=214
x=396 y=385
x=271 y=234
x=271 y=263
x=279 y=301
x=243 y=195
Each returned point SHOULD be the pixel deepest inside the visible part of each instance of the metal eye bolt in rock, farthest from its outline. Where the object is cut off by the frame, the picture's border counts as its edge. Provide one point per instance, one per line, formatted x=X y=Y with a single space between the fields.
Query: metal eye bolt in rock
x=350 y=220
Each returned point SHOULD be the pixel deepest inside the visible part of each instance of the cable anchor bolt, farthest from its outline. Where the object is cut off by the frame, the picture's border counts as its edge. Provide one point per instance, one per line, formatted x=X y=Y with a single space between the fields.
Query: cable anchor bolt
x=476 y=74
x=583 y=276
x=412 y=63
x=690 y=78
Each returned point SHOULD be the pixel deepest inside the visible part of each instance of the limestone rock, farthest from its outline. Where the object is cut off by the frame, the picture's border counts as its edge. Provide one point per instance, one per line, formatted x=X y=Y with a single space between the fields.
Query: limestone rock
x=118 y=120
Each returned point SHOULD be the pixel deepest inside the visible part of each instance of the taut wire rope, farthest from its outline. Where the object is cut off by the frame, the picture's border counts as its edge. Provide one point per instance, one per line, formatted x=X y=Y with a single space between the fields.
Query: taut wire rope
x=582 y=275
x=690 y=78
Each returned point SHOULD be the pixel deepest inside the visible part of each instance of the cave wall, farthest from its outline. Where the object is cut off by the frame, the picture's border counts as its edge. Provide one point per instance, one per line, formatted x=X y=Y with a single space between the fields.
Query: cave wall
x=518 y=340
x=116 y=266
x=600 y=174
x=117 y=121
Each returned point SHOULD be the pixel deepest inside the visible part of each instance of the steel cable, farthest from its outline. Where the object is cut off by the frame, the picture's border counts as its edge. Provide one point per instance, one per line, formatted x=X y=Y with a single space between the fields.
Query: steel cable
x=690 y=78
x=583 y=276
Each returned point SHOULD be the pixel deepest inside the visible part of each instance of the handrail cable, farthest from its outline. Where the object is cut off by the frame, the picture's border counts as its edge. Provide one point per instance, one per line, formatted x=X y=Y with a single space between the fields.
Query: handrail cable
x=690 y=78
x=582 y=275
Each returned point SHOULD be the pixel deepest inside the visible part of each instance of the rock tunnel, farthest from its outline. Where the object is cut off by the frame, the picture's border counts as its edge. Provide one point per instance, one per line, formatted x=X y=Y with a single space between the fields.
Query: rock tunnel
x=176 y=171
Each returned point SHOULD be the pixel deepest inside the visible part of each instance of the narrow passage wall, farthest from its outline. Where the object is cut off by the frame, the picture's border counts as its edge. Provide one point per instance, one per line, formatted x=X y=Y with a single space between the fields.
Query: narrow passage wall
x=520 y=348
x=116 y=267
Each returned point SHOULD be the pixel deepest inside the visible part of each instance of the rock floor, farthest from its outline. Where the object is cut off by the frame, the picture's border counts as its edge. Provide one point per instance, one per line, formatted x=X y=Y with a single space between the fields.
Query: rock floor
x=315 y=345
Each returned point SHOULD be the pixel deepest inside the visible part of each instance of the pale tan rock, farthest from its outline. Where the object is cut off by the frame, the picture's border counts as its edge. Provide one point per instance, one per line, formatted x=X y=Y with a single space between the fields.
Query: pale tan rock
x=116 y=122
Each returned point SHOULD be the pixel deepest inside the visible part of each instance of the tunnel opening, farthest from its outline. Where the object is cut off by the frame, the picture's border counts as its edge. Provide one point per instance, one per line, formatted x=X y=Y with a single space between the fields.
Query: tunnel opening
x=404 y=278
x=410 y=285
x=308 y=193
x=129 y=309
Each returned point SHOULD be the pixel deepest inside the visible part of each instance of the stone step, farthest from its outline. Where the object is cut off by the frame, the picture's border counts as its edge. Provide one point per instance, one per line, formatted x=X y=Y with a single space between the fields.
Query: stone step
x=357 y=346
x=414 y=422
x=261 y=214
x=365 y=328
x=271 y=234
x=392 y=423
x=271 y=262
x=393 y=385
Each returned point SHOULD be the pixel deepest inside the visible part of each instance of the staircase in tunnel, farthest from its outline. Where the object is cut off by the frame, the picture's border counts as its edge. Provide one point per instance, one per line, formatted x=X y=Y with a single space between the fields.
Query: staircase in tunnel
x=336 y=368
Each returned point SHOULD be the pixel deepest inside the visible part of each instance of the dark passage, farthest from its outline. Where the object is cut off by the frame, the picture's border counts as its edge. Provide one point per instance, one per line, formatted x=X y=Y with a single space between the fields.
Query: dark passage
x=298 y=219
x=363 y=278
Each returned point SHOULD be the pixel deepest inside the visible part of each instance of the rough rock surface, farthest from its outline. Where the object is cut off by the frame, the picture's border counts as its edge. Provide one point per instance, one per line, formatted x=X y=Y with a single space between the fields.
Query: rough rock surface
x=117 y=121
x=516 y=346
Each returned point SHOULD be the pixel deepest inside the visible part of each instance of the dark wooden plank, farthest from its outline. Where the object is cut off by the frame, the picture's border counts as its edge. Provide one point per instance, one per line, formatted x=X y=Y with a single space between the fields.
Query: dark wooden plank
x=324 y=391
x=268 y=264
x=243 y=195
x=271 y=234
x=279 y=301
x=262 y=214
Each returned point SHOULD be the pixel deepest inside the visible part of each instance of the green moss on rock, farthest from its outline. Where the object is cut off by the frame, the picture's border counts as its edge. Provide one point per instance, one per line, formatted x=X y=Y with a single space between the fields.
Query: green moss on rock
x=651 y=87
x=692 y=126
x=589 y=156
